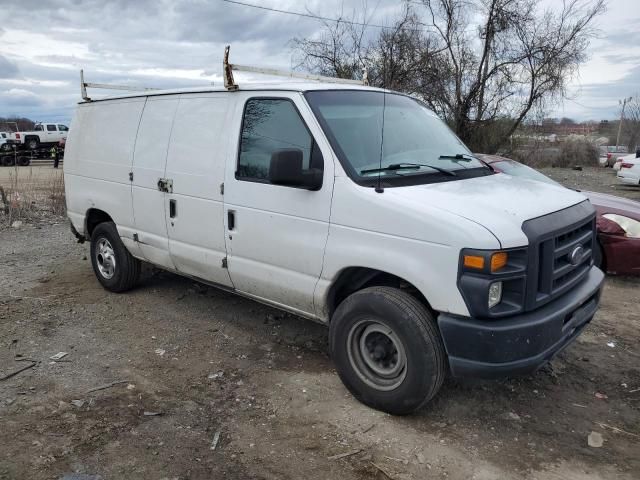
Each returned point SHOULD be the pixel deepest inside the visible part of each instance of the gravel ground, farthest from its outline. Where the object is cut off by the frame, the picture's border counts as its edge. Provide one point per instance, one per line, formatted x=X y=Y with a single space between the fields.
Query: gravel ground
x=601 y=180
x=216 y=386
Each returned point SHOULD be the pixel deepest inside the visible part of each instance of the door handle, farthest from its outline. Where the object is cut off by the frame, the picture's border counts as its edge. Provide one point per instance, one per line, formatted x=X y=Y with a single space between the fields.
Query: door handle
x=172 y=209
x=231 y=219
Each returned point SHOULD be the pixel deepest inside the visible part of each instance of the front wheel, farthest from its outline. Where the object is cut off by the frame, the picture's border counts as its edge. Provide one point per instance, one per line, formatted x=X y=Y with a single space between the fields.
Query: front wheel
x=598 y=257
x=116 y=269
x=387 y=349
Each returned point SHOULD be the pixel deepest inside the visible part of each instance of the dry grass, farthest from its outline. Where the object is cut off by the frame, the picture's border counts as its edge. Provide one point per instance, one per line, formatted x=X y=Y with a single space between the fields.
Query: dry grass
x=30 y=193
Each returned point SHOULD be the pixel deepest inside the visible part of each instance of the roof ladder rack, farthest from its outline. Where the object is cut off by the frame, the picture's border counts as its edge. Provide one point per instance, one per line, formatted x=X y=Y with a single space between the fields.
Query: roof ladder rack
x=107 y=86
x=229 y=68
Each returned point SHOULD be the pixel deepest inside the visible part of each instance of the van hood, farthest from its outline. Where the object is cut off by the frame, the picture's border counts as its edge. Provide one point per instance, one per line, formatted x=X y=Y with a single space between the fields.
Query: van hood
x=500 y=202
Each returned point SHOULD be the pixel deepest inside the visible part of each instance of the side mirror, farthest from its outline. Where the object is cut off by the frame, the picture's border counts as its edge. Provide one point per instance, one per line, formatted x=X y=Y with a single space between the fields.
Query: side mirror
x=286 y=169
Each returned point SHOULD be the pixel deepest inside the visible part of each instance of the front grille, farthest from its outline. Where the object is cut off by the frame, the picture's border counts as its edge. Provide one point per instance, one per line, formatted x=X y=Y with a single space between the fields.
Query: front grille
x=558 y=272
x=561 y=251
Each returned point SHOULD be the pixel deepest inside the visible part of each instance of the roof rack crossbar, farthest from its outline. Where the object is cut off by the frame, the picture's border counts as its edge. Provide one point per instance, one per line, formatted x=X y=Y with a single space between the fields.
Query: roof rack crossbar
x=107 y=86
x=230 y=84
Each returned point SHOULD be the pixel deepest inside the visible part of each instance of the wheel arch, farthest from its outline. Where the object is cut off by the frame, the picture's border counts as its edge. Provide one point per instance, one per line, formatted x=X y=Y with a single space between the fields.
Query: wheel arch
x=352 y=279
x=30 y=137
x=93 y=218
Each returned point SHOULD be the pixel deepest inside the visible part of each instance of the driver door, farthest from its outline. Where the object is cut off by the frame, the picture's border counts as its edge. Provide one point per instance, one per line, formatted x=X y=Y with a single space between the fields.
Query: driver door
x=276 y=234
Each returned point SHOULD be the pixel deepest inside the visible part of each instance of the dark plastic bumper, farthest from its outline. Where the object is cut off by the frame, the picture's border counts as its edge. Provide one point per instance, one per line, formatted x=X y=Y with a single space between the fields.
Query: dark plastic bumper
x=522 y=343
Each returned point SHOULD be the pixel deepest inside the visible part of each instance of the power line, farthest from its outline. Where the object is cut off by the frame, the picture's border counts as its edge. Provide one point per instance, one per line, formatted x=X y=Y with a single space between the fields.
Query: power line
x=309 y=15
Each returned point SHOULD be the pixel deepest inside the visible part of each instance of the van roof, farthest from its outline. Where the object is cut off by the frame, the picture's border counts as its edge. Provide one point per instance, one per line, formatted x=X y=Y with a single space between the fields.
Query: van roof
x=277 y=86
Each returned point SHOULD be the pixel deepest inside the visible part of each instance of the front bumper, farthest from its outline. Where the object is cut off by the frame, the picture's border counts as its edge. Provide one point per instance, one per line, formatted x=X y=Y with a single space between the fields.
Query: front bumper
x=521 y=343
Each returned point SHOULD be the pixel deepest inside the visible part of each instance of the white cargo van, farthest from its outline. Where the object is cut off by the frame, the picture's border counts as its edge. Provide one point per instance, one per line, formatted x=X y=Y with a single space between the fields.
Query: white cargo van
x=344 y=204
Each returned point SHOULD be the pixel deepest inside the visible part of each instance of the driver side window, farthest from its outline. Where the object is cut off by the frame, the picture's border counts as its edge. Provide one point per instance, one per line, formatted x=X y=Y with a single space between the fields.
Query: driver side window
x=269 y=125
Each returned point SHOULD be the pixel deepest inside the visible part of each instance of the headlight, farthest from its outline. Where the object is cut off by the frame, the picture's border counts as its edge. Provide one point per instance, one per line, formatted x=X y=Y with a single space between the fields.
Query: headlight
x=492 y=282
x=629 y=225
x=495 y=294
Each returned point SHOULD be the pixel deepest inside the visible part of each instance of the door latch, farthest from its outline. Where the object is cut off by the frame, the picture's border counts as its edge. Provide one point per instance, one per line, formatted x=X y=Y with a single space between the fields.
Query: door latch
x=165 y=185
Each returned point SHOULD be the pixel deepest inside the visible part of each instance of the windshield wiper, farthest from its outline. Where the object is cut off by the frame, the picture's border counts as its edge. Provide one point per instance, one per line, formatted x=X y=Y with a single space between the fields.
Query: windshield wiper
x=458 y=156
x=414 y=166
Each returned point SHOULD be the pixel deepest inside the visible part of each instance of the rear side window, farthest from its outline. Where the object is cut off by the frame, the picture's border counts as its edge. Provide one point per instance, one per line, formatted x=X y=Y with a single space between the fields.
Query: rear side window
x=51 y=128
x=268 y=125
x=38 y=128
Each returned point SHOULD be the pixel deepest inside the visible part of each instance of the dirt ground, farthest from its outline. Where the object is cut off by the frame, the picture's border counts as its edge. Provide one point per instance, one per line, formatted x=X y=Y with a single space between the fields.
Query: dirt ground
x=195 y=364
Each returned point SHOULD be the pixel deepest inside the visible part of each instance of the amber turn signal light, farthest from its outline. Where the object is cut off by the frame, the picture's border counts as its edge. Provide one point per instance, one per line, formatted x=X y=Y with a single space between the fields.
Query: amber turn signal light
x=498 y=260
x=474 y=261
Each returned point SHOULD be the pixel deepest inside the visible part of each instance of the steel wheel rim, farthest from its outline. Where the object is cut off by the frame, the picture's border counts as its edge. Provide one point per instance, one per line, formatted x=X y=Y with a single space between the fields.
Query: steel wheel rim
x=105 y=258
x=376 y=354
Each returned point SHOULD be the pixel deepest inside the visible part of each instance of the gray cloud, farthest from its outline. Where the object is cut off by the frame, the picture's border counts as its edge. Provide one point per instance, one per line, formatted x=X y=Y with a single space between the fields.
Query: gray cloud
x=175 y=43
x=8 y=69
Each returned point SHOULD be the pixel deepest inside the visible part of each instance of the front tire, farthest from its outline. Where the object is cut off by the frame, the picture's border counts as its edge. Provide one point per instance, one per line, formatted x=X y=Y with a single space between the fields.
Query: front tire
x=387 y=349
x=598 y=257
x=116 y=269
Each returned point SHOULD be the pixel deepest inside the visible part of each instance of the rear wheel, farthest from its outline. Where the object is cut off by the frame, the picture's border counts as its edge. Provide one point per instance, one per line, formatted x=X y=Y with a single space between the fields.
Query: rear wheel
x=598 y=257
x=24 y=161
x=387 y=349
x=116 y=269
x=8 y=160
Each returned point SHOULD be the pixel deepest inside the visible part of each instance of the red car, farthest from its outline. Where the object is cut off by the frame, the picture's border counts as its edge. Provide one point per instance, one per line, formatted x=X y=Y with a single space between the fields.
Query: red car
x=617 y=221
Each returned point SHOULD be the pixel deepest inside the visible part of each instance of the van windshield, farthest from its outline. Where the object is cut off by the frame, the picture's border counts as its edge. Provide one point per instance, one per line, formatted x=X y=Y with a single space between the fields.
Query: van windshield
x=417 y=148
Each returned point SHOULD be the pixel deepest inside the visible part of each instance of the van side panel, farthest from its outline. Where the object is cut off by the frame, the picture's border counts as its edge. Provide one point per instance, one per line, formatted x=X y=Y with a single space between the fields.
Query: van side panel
x=196 y=165
x=98 y=158
x=149 y=203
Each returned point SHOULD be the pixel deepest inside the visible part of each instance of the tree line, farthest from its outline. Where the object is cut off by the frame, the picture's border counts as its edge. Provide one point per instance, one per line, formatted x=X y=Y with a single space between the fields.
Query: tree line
x=484 y=66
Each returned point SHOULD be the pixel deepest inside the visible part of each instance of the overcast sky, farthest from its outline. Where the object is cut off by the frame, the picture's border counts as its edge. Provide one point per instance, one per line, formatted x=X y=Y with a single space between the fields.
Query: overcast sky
x=161 y=43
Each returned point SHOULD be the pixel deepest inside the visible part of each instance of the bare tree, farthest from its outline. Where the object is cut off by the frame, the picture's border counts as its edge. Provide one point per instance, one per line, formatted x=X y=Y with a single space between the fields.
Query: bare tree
x=631 y=126
x=483 y=81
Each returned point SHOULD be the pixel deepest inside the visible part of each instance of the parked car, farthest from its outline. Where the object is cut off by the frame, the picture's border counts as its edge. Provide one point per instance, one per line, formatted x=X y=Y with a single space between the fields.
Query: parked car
x=613 y=153
x=617 y=220
x=5 y=142
x=42 y=133
x=629 y=172
x=418 y=256
x=622 y=159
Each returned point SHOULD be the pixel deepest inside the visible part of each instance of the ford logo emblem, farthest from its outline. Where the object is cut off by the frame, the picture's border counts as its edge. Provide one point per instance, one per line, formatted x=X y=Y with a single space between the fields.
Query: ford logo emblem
x=576 y=255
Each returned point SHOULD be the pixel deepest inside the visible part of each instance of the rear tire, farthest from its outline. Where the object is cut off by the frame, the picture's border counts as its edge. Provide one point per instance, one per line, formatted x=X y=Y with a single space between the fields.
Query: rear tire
x=387 y=349
x=24 y=161
x=116 y=269
x=8 y=160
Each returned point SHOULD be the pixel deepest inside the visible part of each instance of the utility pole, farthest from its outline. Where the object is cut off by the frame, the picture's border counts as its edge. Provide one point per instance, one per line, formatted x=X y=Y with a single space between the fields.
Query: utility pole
x=624 y=104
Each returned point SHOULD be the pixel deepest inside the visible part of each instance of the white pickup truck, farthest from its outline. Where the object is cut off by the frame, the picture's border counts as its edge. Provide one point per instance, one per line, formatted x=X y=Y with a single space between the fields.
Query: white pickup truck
x=42 y=133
